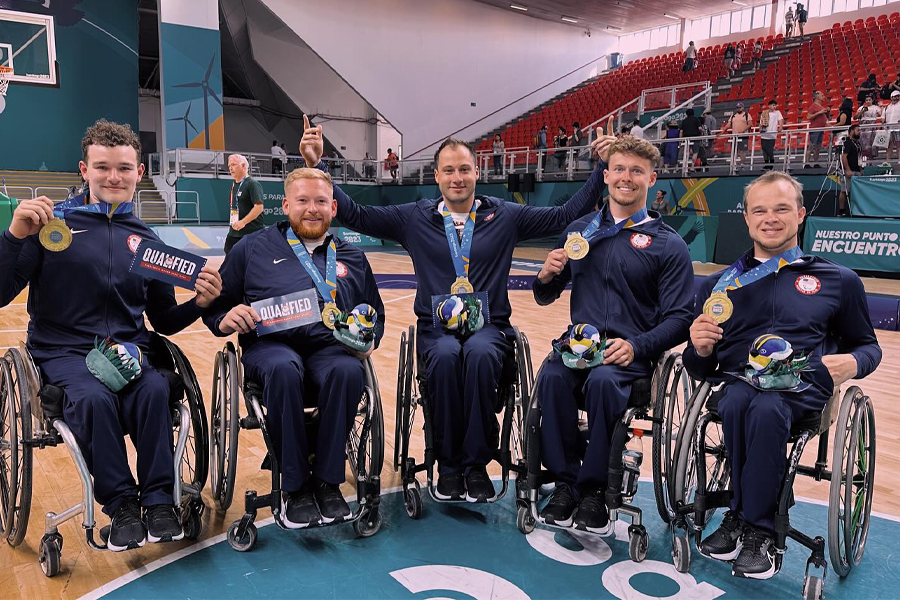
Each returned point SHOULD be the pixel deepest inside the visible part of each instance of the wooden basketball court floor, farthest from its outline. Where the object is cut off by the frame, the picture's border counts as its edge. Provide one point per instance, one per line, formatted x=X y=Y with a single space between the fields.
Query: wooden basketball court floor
x=56 y=484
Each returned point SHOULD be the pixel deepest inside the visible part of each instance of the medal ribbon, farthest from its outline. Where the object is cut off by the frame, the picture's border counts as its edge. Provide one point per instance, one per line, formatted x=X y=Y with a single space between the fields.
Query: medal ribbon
x=735 y=276
x=460 y=250
x=235 y=194
x=593 y=231
x=327 y=285
x=104 y=208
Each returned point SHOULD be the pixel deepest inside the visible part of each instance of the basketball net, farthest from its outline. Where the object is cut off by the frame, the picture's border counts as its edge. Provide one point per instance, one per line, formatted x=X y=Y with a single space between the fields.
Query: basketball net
x=4 y=82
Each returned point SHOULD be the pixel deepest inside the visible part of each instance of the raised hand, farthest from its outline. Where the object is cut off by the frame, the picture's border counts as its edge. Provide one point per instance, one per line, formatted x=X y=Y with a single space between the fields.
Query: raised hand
x=554 y=265
x=312 y=144
x=30 y=217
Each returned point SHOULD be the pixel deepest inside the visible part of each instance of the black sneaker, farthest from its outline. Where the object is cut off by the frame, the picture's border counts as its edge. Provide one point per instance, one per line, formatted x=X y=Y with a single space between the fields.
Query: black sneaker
x=331 y=502
x=299 y=510
x=560 y=507
x=591 y=514
x=126 y=531
x=163 y=524
x=725 y=542
x=479 y=487
x=451 y=486
x=757 y=557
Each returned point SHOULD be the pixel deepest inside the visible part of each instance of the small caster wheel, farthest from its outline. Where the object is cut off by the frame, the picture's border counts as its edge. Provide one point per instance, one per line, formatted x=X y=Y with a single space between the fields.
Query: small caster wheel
x=638 y=543
x=412 y=500
x=681 y=554
x=368 y=523
x=247 y=542
x=191 y=523
x=49 y=554
x=524 y=520
x=813 y=588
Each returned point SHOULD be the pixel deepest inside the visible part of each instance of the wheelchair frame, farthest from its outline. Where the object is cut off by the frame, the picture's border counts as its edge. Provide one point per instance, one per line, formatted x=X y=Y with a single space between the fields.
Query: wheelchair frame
x=660 y=386
x=32 y=419
x=365 y=466
x=514 y=389
x=850 y=494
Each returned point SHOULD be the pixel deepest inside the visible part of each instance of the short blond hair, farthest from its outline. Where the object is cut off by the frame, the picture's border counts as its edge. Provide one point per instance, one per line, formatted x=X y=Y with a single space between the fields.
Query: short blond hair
x=628 y=144
x=774 y=177
x=306 y=173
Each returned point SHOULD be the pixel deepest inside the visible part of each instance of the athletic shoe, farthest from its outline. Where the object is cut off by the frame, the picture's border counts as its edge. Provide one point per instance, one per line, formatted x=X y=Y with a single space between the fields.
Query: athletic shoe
x=725 y=542
x=126 y=531
x=331 y=502
x=451 y=486
x=757 y=557
x=560 y=507
x=479 y=487
x=299 y=510
x=163 y=524
x=591 y=514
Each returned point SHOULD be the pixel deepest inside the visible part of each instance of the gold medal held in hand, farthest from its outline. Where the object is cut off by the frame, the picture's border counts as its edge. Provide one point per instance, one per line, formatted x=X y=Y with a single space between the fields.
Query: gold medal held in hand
x=462 y=285
x=718 y=306
x=577 y=247
x=55 y=236
x=330 y=314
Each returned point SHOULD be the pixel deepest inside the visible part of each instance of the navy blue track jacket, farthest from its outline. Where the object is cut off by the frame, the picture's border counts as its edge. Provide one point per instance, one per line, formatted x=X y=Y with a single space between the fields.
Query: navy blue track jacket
x=87 y=290
x=636 y=285
x=263 y=265
x=816 y=305
x=499 y=226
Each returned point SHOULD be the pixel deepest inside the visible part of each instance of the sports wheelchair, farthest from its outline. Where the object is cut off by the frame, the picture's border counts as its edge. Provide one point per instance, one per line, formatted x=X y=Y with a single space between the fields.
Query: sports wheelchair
x=701 y=477
x=365 y=450
x=516 y=380
x=32 y=418
x=660 y=392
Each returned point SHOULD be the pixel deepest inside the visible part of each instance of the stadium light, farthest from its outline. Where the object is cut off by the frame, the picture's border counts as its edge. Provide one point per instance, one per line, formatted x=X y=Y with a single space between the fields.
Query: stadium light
x=569 y=20
x=517 y=7
x=668 y=16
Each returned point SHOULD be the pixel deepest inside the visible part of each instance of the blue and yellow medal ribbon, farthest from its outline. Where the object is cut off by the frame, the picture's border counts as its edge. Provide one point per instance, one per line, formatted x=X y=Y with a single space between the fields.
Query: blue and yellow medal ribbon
x=579 y=244
x=327 y=285
x=460 y=249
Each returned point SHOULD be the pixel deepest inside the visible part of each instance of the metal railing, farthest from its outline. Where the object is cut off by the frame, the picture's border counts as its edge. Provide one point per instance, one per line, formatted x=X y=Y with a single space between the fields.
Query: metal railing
x=169 y=203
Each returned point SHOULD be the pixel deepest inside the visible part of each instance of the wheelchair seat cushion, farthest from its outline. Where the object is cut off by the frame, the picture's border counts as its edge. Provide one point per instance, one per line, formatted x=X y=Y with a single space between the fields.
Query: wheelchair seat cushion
x=640 y=393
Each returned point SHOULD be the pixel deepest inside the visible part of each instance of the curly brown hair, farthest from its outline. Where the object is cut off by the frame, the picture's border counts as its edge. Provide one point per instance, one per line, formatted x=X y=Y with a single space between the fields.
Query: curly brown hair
x=628 y=144
x=109 y=134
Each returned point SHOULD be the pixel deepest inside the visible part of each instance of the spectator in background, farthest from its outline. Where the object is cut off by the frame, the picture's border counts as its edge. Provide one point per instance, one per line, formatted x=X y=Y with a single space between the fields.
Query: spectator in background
x=498 y=148
x=728 y=59
x=283 y=153
x=636 y=129
x=711 y=126
x=368 y=167
x=868 y=114
x=541 y=144
x=845 y=113
x=670 y=156
x=850 y=162
x=895 y=85
x=788 y=23
x=277 y=165
x=577 y=140
x=690 y=128
x=738 y=57
x=740 y=122
x=392 y=164
x=771 y=123
x=757 y=55
x=560 y=141
x=818 y=115
x=335 y=164
x=802 y=17
x=892 y=120
x=659 y=203
x=690 y=56
x=869 y=87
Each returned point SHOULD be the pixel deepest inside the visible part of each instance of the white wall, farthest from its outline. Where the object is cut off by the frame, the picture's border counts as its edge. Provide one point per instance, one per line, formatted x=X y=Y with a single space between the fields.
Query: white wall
x=421 y=63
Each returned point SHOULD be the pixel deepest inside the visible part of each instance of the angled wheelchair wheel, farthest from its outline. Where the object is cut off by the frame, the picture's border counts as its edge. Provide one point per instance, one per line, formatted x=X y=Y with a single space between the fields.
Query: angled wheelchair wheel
x=398 y=410
x=406 y=410
x=673 y=391
x=18 y=395
x=523 y=387
x=365 y=444
x=225 y=426
x=852 y=481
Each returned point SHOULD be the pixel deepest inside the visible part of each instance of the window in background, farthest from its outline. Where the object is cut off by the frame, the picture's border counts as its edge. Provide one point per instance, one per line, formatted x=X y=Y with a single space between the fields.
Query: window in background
x=759 y=16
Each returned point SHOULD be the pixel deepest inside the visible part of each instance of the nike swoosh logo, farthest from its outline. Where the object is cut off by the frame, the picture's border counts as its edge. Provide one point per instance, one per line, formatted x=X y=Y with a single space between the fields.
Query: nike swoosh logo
x=278 y=260
x=74 y=231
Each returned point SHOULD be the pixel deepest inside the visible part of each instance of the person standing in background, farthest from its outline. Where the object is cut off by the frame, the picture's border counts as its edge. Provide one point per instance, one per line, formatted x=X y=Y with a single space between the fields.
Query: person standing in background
x=690 y=56
x=757 y=55
x=802 y=16
x=498 y=148
x=277 y=165
x=245 y=205
x=788 y=23
x=818 y=118
x=771 y=123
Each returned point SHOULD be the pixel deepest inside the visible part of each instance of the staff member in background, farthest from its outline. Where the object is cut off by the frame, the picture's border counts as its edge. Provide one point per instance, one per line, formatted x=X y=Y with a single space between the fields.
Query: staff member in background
x=245 y=204
x=850 y=161
x=659 y=203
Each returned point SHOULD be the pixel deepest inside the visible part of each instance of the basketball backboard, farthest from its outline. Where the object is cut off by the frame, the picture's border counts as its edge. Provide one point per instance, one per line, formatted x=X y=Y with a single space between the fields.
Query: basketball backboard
x=28 y=47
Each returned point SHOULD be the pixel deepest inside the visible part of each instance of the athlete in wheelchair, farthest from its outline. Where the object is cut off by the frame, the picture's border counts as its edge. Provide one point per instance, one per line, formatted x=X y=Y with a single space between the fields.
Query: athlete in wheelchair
x=774 y=337
x=631 y=279
x=69 y=386
x=308 y=382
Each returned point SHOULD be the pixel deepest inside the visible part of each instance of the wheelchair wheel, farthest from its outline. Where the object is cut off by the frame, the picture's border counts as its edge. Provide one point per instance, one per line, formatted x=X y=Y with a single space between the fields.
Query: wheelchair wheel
x=243 y=544
x=405 y=415
x=673 y=390
x=368 y=523
x=523 y=386
x=852 y=481
x=398 y=410
x=412 y=500
x=524 y=521
x=17 y=496
x=367 y=433
x=195 y=463
x=224 y=435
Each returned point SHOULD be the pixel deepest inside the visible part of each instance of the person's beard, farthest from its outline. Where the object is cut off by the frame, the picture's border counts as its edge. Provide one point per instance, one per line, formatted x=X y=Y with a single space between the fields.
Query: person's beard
x=304 y=231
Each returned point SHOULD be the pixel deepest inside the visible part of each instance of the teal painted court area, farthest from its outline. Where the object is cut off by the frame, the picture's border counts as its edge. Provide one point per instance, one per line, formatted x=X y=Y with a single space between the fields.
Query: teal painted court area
x=475 y=551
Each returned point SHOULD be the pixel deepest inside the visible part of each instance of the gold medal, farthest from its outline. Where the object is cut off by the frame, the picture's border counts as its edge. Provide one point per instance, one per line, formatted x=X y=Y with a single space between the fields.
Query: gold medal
x=330 y=314
x=718 y=306
x=462 y=285
x=576 y=246
x=55 y=236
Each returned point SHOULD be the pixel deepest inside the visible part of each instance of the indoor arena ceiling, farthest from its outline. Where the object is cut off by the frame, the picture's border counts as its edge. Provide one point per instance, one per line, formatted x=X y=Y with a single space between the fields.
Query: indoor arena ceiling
x=620 y=16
